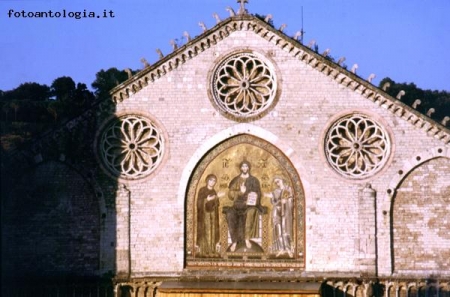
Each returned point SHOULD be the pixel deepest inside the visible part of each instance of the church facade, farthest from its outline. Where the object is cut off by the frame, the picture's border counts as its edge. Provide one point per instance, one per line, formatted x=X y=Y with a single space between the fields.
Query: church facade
x=241 y=159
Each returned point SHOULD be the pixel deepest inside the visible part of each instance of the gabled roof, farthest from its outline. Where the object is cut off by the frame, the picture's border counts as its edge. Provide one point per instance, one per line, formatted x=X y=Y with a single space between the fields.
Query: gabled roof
x=299 y=51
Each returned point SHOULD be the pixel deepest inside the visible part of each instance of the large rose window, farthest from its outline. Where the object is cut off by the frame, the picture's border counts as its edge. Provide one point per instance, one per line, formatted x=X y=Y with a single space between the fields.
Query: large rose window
x=244 y=85
x=131 y=147
x=356 y=146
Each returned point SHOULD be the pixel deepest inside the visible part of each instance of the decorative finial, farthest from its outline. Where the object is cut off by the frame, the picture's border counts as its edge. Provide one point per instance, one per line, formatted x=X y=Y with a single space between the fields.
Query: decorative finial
x=282 y=27
x=297 y=35
x=242 y=9
x=354 y=67
x=311 y=43
x=203 y=26
x=326 y=52
x=186 y=34
x=340 y=61
x=268 y=18
x=216 y=16
x=144 y=61
x=160 y=54
x=174 y=44
x=400 y=94
x=128 y=71
x=430 y=112
x=231 y=11
x=371 y=77
x=416 y=103
x=445 y=121
x=386 y=86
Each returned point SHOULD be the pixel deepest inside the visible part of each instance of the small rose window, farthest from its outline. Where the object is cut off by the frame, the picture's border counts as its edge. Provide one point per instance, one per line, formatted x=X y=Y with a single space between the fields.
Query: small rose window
x=131 y=147
x=244 y=85
x=357 y=146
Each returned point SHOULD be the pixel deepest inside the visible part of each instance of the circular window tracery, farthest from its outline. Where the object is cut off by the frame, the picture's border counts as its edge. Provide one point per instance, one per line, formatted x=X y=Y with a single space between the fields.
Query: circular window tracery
x=357 y=146
x=244 y=85
x=131 y=147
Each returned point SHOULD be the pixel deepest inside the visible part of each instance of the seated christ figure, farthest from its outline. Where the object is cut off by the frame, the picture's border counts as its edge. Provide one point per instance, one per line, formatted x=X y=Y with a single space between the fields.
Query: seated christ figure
x=243 y=217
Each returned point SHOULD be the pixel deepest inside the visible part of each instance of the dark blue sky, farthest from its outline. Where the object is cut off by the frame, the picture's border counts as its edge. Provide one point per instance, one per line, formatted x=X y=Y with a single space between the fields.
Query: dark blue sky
x=406 y=40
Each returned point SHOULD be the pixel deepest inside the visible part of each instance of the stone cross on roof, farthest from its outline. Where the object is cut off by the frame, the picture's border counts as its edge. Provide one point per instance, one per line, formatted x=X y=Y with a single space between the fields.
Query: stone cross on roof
x=242 y=9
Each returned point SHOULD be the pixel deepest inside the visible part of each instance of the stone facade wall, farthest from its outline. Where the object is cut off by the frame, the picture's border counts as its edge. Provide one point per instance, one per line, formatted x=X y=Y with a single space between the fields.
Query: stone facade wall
x=52 y=224
x=421 y=236
x=353 y=227
x=308 y=103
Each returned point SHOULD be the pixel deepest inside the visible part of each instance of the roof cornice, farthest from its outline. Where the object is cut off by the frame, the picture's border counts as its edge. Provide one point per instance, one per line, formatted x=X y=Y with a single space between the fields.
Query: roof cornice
x=297 y=50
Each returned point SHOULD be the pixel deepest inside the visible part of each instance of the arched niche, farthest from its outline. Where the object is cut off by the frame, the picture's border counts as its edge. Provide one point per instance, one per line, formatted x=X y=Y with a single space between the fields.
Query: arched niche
x=271 y=221
x=419 y=215
x=51 y=220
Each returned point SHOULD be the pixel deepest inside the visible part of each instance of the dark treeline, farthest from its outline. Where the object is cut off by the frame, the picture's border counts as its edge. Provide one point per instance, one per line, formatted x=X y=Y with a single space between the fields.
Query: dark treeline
x=32 y=108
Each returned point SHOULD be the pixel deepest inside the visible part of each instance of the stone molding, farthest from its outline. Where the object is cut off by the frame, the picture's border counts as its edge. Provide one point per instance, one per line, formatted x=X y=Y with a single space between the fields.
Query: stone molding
x=409 y=165
x=375 y=117
x=158 y=127
x=297 y=50
x=360 y=287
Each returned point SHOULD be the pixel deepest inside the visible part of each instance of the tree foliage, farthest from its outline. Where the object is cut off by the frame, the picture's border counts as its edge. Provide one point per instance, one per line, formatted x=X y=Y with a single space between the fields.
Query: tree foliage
x=439 y=100
x=27 y=91
x=63 y=88
x=33 y=108
x=105 y=81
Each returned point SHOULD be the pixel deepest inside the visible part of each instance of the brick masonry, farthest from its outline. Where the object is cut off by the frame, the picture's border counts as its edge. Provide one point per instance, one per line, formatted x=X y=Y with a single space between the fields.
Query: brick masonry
x=140 y=225
x=308 y=102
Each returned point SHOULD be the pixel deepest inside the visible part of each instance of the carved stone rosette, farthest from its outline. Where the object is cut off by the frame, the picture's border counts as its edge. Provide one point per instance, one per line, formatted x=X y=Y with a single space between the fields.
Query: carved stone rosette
x=244 y=85
x=356 y=146
x=131 y=147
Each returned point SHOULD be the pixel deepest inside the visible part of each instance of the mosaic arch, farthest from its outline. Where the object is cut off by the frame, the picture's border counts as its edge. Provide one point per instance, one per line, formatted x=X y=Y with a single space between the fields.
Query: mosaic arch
x=245 y=208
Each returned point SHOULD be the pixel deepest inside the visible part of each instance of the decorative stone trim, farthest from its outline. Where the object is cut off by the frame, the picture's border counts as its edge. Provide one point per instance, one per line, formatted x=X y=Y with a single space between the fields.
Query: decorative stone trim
x=244 y=85
x=295 y=49
x=130 y=146
x=329 y=287
x=410 y=165
x=387 y=288
x=356 y=146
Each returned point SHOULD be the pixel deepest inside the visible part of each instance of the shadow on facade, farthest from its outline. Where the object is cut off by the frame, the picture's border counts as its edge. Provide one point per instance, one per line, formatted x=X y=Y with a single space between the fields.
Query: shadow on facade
x=58 y=213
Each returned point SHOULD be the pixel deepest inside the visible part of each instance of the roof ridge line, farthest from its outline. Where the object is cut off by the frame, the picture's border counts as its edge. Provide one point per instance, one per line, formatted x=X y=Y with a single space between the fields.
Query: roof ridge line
x=302 y=52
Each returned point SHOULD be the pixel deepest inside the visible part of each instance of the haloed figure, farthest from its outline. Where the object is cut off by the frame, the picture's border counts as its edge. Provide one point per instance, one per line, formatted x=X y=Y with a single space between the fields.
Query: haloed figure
x=208 y=218
x=282 y=217
x=243 y=216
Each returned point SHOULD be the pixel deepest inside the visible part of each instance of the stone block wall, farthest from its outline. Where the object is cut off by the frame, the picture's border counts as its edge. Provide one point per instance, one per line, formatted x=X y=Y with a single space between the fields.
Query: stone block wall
x=387 y=224
x=421 y=227
x=340 y=231
x=51 y=225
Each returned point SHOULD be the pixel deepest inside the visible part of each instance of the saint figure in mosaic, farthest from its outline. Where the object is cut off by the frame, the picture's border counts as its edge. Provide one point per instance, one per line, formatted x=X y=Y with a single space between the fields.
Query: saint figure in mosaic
x=282 y=217
x=208 y=237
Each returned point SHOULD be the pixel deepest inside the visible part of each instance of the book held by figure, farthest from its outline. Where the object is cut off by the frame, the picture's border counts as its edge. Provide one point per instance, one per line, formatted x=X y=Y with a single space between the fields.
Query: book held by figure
x=251 y=198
